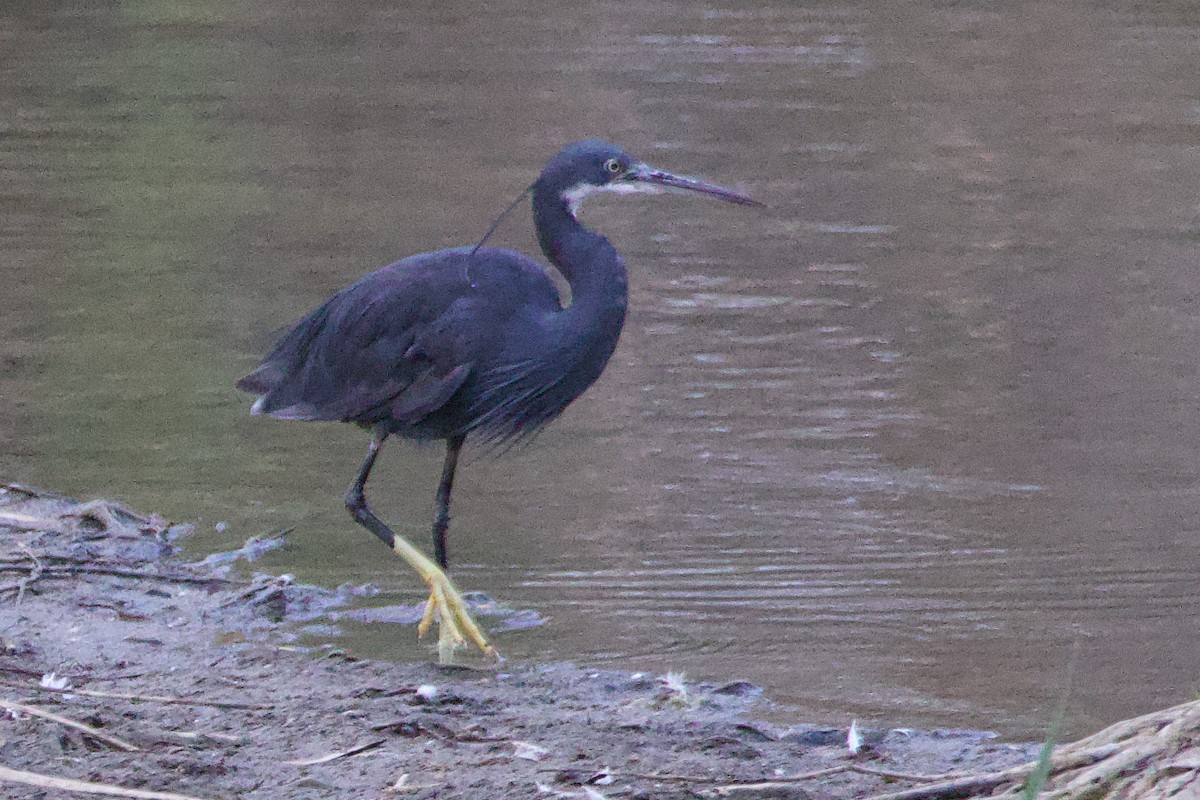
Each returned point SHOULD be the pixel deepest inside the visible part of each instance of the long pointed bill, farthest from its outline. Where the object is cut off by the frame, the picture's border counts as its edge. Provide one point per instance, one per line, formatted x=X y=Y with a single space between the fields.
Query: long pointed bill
x=644 y=173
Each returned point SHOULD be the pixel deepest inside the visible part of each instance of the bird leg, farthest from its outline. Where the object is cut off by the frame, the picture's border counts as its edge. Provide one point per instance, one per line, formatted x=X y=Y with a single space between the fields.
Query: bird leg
x=444 y=598
x=441 y=522
x=441 y=512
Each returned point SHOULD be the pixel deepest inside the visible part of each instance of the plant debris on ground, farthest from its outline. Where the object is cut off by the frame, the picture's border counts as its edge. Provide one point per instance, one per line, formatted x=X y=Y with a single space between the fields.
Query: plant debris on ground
x=127 y=672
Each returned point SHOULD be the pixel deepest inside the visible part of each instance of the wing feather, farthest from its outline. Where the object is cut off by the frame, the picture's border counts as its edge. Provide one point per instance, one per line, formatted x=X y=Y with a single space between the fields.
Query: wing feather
x=400 y=342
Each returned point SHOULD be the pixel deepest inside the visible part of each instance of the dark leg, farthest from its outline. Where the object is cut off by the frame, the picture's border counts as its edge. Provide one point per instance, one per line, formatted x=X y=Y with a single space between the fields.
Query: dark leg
x=454 y=620
x=356 y=499
x=441 y=514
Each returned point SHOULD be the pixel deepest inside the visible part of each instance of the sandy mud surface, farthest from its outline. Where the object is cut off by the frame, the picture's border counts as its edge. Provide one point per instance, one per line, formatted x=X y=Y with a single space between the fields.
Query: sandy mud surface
x=125 y=667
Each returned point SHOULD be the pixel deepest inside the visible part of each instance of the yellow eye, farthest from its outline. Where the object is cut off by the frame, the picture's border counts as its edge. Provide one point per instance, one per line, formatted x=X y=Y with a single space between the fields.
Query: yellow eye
x=613 y=166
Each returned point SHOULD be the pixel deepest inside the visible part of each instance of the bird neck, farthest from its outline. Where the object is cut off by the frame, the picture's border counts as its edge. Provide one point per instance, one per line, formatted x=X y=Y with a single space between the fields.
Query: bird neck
x=589 y=262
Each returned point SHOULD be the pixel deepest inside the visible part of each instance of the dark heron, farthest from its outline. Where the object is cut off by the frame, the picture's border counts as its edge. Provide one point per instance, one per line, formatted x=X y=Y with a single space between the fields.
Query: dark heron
x=467 y=343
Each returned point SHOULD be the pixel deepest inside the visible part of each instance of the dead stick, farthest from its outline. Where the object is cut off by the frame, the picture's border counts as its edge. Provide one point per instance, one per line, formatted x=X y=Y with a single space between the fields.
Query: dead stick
x=783 y=781
x=150 y=698
x=29 y=491
x=58 y=558
x=788 y=780
x=34 y=711
x=735 y=788
x=87 y=787
x=33 y=673
x=990 y=780
x=195 y=737
x=901 y=776
x=61 y=570
x=325 y=759
x=24 y=522
x=662 y=776
x=1111 y=768
x=1131 y=727
x=962 y=787
x=1186 y=721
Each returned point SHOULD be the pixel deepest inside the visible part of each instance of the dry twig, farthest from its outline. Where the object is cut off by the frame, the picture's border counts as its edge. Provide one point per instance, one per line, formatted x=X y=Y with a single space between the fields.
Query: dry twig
x=27 y=522
x=968 y=785
x=87 y=787
x=773 y=782
x=95 y=733
x=65 y=570
x=149 y=698
x=325 y=759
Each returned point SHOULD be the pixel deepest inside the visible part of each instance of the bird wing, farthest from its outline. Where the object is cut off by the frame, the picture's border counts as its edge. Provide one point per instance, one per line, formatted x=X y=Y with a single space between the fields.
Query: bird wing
x=395 y=345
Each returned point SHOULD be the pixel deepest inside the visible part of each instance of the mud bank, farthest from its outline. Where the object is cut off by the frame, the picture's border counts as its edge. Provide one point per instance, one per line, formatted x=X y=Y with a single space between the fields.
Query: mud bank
x=125 y=666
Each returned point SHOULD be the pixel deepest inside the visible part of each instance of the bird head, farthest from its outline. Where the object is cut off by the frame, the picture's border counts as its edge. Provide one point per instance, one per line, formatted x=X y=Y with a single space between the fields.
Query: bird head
x=591 y=166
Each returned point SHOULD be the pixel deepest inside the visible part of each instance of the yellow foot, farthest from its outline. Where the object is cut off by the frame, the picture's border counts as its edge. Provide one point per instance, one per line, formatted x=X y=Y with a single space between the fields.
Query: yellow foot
x=447 y=606
x=445 y=602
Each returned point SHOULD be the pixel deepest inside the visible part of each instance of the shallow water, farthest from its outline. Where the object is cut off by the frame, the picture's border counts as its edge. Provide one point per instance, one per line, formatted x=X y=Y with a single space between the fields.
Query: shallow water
x=896 y=448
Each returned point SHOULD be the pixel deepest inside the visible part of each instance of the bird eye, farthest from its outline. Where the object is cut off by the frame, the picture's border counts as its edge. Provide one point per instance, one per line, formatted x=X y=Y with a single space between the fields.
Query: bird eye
x=613 y=166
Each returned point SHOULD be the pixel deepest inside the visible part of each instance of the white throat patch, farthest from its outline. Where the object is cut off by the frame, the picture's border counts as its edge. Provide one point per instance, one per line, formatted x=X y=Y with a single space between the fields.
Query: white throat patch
x=581 y=191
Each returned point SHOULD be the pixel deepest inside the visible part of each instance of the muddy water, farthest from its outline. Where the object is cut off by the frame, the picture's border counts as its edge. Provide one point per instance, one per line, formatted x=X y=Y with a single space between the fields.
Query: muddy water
x=901 y=448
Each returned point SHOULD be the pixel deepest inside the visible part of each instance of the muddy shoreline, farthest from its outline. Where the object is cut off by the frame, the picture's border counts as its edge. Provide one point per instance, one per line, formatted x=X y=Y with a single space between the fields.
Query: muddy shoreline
x=123 y=665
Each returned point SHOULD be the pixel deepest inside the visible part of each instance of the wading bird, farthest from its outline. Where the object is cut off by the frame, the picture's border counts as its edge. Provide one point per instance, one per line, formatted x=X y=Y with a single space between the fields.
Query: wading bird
x=466 y=343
